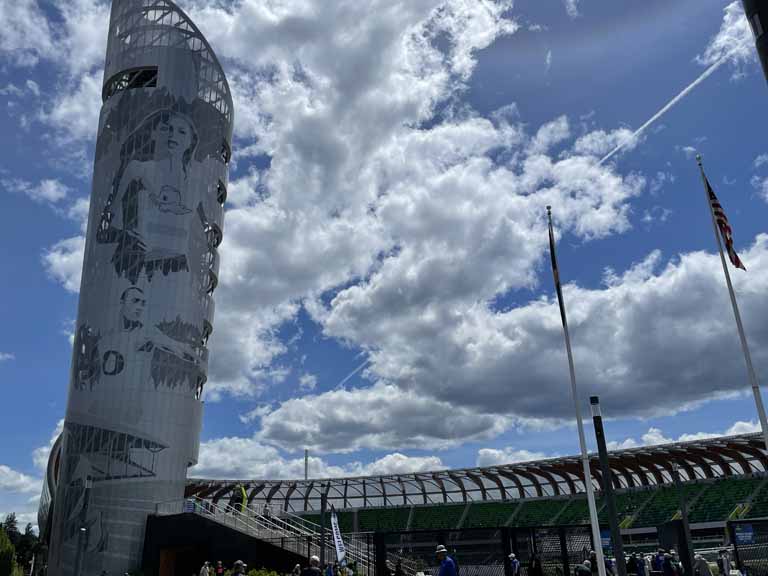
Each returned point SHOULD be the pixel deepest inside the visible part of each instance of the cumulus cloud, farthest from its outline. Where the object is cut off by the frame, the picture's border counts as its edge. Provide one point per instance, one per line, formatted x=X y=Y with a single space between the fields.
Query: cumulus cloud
x=734 y=41
x=6 y=356
x=350 y=420
x=64 y=262
x=48 y=190
x=25 y=37
x=655 y=436
x=509 y=455
x=572 y=8
x=226 y=458
x=13 y=481
x=41 y=454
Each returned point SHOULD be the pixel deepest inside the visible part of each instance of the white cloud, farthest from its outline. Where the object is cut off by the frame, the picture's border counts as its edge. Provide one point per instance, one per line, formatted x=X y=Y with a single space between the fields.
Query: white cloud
x=600 y=142
x=760 y=161
x=6 y=356
x=350 y=420
x=13 y=481
x=227 y=458
x=509 y=455
x=48 y=190
x=733 y=41
x=64 y=262
x=655 y=436
x=40 y=455
x=25 y=36
x=307 y=381
x=572 y=8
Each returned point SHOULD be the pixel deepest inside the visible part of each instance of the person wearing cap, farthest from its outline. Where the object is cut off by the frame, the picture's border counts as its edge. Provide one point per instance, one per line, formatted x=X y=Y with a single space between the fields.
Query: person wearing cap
x=314 y=567
x=239 y=568
x=447 y=565
x=514 y=565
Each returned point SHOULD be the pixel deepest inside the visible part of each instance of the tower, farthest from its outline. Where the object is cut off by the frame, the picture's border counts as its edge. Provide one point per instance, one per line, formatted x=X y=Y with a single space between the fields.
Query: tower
x=140 y=355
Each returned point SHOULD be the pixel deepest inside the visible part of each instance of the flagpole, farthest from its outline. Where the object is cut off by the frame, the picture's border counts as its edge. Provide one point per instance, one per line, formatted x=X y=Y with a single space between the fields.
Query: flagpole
x=744 y=346
x=593 y=518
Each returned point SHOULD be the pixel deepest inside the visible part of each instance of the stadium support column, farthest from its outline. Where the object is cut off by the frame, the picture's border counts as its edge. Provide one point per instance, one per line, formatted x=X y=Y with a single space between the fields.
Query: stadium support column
x=150 y=267
x=613 y=519
x=757 y=15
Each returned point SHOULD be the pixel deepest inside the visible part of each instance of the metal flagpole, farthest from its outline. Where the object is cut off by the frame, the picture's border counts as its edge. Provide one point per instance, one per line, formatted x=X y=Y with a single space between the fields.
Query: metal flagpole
x=744 y=346
x=593 y=518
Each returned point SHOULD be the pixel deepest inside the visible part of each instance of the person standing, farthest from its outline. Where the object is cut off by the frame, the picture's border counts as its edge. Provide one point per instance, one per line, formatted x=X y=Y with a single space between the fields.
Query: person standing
x=583 y=569
x=314 y=567
x=701 y=566
x=219 y=568
x=447 y=565
x=642 y=567
x=514 y=565
x=296 y=570
x=724 y=563
x=205 y=570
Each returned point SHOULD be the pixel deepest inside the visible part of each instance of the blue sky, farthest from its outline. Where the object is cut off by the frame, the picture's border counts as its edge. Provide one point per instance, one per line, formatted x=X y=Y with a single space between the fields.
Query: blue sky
x=386 y=215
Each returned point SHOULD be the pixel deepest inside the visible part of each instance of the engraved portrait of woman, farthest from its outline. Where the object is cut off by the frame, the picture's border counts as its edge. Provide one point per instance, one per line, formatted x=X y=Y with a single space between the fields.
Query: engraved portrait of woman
x=145 y=213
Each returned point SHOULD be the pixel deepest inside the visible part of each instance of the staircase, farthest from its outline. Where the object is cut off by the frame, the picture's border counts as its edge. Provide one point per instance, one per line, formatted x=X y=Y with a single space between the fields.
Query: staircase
x=287 y=531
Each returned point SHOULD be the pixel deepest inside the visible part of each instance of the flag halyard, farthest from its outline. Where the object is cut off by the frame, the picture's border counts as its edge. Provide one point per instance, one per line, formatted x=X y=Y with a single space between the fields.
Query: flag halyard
x=726 y=232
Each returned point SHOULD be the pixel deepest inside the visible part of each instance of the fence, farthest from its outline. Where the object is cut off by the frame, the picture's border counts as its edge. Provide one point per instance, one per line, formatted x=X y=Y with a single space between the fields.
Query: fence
x=750 y=546
x=484 y=552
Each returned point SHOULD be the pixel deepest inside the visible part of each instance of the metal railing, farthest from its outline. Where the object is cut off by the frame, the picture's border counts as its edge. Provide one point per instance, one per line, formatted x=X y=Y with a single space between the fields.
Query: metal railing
x=286 y=530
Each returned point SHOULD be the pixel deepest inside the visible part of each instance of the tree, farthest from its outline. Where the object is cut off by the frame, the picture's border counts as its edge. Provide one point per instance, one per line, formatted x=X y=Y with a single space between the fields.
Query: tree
x=27 y=545
x=11 y=528
x=7 y=555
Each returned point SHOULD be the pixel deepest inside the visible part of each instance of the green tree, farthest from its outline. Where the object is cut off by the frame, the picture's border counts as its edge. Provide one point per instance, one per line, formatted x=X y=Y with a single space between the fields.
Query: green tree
x=26 y=547
x=11 y=527
x=7 y=555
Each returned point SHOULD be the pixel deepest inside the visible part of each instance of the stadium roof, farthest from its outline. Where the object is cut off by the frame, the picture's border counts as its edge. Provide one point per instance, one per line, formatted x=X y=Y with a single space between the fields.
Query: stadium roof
x=647 y=466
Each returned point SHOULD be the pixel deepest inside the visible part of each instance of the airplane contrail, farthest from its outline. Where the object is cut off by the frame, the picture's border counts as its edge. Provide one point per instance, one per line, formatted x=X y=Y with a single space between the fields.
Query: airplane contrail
x=355 y=371
x=706 y=74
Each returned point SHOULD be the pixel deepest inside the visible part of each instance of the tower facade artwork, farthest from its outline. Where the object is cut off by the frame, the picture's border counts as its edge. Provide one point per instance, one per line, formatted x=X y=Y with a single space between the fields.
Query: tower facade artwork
x=151 y=266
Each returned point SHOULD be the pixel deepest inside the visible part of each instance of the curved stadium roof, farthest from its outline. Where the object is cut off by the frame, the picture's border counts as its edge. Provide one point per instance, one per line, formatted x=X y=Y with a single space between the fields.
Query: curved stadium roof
x=633 y=468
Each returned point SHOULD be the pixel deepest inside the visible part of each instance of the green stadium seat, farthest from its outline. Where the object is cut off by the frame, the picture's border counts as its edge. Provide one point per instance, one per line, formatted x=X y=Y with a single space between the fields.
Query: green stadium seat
x=439 y=517
x=383 y=519
x=538 y=512
x=721 y=497
x=759 y=505
x=664 y=504
x=489 y=514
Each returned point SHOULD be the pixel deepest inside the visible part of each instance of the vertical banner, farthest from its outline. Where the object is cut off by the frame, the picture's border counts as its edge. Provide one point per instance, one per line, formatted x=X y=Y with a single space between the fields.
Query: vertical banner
x=341 y=552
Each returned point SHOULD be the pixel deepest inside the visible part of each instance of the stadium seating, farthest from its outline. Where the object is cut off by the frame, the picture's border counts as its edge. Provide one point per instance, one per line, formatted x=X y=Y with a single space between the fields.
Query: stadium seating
x=383 y=519
x=759 y=506
x=627 y=504
x=538 y=512
x=711 y=501
x=664 y=504
x=575 y=512
x=444 y=517
x=488 y=514
x=721 y=497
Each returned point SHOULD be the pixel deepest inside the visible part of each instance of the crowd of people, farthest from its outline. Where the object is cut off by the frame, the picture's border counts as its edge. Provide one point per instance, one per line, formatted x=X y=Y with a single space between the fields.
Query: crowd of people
x=663 y=563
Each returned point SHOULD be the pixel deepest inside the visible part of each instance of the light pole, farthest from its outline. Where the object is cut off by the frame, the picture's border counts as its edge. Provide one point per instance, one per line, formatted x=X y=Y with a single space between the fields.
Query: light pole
x=613 y=520
x=688 y=545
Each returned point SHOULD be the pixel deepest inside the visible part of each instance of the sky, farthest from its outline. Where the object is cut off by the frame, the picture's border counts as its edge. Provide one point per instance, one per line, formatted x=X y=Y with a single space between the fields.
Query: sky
x=385 y=294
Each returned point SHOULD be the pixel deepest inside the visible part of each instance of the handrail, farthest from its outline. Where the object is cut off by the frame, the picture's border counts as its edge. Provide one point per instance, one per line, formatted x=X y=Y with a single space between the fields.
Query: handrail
x=286 y=530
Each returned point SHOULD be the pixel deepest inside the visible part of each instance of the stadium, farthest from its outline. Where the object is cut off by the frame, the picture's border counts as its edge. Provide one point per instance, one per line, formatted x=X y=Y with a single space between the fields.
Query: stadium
x=536 y=507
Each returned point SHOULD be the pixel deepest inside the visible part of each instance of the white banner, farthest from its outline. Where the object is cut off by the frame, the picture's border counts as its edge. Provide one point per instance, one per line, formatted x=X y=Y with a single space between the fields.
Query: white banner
x=341 y=552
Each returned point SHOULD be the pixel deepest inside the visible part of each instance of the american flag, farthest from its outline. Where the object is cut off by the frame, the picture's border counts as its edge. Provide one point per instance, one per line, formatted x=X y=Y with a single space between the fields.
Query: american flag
x=725 y=229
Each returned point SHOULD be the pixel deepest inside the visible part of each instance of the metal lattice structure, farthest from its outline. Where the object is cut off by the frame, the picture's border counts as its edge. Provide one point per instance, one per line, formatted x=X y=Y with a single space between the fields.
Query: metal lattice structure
x=146 y=311
x=633 y=468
